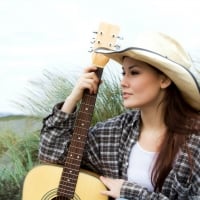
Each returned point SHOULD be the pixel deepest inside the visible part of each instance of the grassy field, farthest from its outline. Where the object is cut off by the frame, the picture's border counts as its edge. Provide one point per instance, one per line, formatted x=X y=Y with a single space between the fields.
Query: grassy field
x=19 y=124
x=19 y=139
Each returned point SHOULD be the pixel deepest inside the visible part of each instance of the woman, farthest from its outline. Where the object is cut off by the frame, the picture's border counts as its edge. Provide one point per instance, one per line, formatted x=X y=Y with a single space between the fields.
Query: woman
x=151 y=151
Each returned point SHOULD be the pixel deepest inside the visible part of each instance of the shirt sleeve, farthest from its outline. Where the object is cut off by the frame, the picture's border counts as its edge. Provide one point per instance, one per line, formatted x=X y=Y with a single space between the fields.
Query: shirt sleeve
x=131 y=190
x=55 y=135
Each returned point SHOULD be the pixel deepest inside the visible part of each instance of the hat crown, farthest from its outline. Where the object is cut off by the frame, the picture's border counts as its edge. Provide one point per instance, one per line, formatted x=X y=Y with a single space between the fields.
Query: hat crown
x=169 y=48
x=164 y=45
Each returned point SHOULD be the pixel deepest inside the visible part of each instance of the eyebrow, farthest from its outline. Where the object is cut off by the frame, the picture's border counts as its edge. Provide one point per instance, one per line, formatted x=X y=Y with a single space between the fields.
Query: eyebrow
x=130 y=67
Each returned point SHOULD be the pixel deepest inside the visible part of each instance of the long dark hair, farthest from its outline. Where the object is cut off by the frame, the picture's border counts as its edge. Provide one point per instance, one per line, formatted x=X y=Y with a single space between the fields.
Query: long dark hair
x=178 y=117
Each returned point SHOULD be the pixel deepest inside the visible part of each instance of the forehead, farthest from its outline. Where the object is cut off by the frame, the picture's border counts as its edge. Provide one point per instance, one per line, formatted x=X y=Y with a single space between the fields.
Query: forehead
x=127 y=62
x=130 y=63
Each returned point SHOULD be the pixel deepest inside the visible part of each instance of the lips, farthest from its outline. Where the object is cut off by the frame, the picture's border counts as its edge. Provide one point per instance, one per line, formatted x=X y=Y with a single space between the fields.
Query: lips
x=126 y=95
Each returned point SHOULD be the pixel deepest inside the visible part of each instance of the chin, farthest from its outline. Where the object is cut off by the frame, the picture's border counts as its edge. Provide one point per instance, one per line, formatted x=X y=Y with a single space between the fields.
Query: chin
x=131 y=105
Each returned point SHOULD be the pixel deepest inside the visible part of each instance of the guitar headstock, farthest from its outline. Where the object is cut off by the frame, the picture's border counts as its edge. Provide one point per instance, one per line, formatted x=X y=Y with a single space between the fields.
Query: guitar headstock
x=106 y=36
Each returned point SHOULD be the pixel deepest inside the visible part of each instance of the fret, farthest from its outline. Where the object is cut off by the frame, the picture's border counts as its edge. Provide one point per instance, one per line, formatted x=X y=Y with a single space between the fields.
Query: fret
x=70 y=181
x=84 y=116
x=79 y=137
x=64 y=193
x=88 y=99
x=82 y=123
x=69 y=176
x=73 y=162
x=82 y=128
x=86 y=109
x=76 y=146
x=69 y=170
x=75 y=151
x=81 y=132
x=87 y=103
x=87 y=116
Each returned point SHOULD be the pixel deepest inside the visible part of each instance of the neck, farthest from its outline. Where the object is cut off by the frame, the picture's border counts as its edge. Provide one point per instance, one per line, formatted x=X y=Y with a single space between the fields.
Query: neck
x=153 y=118
x=153 y=128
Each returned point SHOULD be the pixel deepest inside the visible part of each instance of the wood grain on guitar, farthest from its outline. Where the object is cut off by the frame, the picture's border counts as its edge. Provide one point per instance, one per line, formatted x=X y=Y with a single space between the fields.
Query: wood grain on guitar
x=50 y=182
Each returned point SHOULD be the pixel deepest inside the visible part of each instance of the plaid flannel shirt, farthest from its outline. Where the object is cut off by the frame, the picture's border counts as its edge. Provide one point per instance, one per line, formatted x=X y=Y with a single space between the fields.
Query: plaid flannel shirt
x=107 y=152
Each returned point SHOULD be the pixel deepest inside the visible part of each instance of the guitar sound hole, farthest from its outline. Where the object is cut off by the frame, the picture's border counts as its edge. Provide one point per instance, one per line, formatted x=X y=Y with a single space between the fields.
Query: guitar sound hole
x=52 y=195
x=65 y=198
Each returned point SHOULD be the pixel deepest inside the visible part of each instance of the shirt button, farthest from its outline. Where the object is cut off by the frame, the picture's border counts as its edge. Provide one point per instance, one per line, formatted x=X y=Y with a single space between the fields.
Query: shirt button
x=132 y=140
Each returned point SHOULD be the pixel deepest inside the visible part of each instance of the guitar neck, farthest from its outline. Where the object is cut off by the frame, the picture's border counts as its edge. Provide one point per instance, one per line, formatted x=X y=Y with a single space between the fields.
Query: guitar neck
x=106 y=37
x=71 y=168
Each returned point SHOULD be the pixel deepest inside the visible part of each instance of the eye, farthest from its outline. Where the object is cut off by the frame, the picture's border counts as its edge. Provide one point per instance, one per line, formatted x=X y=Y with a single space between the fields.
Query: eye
x=134 y=72
x=123 y=73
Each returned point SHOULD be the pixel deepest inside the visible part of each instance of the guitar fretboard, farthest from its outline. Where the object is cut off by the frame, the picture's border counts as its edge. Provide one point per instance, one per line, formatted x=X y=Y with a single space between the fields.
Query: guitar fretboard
x=71 y=168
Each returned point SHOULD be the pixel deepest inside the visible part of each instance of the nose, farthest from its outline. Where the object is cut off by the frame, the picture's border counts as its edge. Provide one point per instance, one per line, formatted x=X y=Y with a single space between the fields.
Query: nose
x=124 y=82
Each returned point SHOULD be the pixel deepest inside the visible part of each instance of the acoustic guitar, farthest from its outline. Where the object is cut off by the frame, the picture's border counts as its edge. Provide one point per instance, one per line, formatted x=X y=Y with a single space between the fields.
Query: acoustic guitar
x=70 y=182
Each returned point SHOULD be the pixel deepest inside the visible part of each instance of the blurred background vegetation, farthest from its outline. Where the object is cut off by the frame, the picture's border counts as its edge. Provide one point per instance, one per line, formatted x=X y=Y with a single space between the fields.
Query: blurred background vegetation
x=19 y=134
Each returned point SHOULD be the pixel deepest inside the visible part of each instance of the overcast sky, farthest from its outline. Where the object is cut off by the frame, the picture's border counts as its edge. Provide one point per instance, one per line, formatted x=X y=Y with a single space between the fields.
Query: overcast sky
x=56 y=34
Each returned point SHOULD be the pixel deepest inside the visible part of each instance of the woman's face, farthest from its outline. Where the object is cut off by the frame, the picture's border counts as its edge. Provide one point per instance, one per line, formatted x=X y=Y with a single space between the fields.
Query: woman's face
x=142 y=85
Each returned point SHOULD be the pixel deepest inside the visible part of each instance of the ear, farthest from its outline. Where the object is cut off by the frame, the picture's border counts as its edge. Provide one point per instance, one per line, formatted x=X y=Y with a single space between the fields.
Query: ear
x=165 y=82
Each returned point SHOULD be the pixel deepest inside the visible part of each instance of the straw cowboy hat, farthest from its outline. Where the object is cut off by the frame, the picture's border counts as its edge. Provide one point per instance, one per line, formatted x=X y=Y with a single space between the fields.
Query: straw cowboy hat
x=167 y=55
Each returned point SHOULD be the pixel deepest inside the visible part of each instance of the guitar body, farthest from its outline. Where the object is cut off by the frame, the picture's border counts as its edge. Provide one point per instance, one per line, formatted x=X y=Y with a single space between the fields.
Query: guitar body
x=42 y=183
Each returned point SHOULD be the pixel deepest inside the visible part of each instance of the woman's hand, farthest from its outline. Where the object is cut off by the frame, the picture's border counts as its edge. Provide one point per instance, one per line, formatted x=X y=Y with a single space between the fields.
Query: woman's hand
x=88 y=80
x=113 y=185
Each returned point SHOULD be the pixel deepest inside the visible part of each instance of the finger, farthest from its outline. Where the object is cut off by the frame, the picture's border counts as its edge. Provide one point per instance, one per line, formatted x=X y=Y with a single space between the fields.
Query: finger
x=106 y=181
x=93 y=80
x=108 y=193
x=91 y=85
x=93 y=76
x=90 y=69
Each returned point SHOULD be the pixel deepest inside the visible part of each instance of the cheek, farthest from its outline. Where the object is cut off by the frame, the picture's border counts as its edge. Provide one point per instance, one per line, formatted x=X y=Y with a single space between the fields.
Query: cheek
x=146 y=86
x=138 y=85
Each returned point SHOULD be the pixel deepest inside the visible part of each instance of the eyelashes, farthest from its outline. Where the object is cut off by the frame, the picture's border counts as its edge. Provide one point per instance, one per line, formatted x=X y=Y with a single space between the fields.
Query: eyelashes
x=133 y=72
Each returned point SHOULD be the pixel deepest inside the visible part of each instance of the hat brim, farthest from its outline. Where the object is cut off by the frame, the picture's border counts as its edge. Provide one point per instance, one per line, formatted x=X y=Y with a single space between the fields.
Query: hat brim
x=180 y=75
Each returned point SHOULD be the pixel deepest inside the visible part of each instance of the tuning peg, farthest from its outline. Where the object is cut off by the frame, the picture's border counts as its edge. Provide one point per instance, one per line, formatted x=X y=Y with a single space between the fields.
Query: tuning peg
x=117 y=47
x=92 y=42
x=90 y=50
x=120 y=38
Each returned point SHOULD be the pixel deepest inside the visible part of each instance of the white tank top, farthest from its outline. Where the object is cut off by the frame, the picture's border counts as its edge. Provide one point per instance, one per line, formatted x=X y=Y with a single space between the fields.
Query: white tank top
x=140 y=166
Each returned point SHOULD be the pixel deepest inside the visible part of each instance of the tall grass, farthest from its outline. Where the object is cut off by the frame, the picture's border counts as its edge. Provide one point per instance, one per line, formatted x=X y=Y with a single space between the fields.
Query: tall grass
x=44 y=93
x=17 y=156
